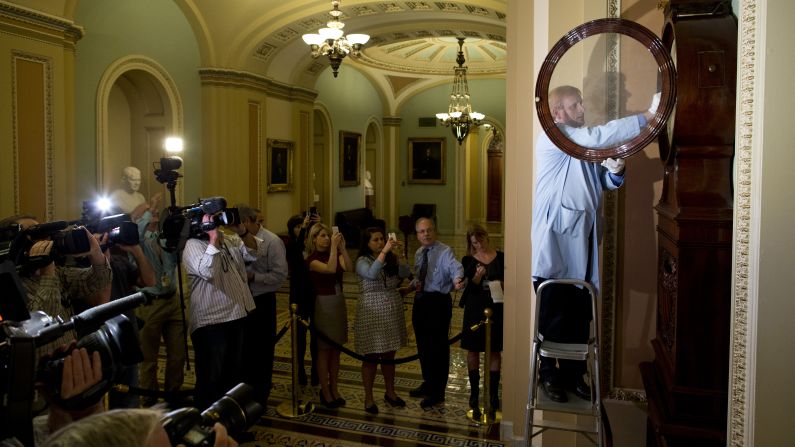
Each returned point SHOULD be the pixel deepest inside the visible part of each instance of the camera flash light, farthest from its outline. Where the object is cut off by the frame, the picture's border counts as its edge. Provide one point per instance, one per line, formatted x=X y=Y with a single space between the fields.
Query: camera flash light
x=173 y=144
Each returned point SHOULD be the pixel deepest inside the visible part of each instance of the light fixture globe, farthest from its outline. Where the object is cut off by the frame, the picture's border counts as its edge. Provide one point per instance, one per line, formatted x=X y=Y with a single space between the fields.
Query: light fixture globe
x=460 y=116
x=332 y=42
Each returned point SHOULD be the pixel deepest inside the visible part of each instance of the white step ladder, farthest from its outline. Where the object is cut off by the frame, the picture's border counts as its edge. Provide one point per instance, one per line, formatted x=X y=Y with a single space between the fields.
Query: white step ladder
x=599 y=432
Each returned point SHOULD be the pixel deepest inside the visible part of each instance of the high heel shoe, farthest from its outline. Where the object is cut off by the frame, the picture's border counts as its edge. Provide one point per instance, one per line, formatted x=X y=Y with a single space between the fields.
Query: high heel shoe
x=339 y=401
x=396 y=402
x=330 y=405
x=372 y=408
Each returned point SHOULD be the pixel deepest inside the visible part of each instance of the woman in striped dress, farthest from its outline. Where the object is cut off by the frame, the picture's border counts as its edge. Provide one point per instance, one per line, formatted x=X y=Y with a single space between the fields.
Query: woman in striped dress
x=380 y=325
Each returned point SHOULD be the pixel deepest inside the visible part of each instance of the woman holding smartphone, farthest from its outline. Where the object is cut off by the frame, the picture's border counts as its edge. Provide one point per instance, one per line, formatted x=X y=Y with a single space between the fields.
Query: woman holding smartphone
x=380 y=325
x=327 y=260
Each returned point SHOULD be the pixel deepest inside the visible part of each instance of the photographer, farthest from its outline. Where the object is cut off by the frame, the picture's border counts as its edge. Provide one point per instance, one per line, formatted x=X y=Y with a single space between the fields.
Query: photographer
x=131 y=269
x=265 y=277
x=55 y=289
x=124 y=428
x=161 y=314
x=219 y=303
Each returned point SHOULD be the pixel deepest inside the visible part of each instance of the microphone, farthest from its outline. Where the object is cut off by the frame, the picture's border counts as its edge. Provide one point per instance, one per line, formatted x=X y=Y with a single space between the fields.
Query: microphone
x=46 y=229
x=89 y=320
x=210 y=205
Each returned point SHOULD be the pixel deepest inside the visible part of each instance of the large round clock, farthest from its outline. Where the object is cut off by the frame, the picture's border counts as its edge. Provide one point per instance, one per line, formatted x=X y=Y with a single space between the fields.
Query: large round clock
x=578 y=60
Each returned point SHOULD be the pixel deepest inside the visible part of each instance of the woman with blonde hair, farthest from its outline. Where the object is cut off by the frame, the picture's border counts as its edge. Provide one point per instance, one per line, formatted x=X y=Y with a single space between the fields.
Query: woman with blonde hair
x=327 y=260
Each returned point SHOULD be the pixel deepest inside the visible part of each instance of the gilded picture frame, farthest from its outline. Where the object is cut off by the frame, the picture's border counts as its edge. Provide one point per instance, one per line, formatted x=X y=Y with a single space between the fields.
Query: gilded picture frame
x=350 y=154
x=426 y=161
x=280 y=165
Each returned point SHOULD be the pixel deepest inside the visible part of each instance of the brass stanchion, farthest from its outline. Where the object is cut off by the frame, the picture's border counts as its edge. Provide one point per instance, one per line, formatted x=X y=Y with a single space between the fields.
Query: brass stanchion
x=295 y=407
x=487 y=414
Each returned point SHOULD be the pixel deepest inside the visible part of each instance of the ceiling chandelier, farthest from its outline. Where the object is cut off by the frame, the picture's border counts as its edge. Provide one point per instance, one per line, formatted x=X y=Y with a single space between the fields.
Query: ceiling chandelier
x=332 y=42
x=459 y=114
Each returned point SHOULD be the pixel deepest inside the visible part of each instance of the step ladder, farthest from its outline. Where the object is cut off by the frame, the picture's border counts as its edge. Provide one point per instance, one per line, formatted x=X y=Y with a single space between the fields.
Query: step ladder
x=599 y=432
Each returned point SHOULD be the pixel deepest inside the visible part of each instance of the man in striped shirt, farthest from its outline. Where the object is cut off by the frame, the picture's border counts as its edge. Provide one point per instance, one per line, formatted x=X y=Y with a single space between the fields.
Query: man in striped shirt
x=219 y=304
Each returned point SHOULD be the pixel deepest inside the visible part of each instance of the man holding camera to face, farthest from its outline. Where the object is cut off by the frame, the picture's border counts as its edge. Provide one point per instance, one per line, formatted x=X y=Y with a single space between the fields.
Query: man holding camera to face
x=53 y=289
x=265 y=277
x=219 y=303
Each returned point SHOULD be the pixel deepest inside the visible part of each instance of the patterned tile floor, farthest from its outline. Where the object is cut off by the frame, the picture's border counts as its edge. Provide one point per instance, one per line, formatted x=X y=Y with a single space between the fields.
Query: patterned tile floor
x=351 y=425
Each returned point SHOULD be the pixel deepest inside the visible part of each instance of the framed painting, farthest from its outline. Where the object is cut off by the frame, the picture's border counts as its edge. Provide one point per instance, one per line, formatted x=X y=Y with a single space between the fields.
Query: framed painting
x=426 y=161
x=280 y=165
x=350 y=153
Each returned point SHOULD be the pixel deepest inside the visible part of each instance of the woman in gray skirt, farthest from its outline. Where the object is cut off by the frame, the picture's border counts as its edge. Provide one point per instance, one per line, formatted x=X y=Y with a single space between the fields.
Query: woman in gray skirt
x=327 y=259
x=380 y=326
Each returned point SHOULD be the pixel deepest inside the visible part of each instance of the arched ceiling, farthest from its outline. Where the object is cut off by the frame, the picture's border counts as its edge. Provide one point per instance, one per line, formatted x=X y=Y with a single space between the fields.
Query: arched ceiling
x=409 y=39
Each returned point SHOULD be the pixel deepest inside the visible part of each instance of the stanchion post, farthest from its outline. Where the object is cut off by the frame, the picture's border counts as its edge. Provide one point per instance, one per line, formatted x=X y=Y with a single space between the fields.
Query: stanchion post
x=295 y=407
x=487 y=367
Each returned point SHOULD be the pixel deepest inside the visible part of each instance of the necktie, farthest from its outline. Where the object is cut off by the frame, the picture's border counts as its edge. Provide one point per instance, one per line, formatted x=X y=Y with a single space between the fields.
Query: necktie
x=423 y=268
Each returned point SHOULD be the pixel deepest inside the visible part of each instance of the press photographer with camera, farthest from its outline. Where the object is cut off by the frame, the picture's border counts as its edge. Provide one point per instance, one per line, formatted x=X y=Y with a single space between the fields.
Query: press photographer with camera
x=161 y=314
x=54 y=289
x=265 y=277
x=219 y=304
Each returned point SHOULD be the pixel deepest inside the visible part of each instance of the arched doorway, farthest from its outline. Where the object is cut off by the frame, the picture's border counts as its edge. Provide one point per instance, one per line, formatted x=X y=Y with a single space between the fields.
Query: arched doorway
x=320 y=176
x=138 y=105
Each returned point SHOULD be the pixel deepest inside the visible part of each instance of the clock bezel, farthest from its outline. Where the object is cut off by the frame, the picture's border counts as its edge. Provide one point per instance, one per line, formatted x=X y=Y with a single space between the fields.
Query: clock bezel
x=667 y=78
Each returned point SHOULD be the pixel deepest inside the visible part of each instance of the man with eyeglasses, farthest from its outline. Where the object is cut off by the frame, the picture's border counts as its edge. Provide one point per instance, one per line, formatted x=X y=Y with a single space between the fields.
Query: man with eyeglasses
x=265 y=276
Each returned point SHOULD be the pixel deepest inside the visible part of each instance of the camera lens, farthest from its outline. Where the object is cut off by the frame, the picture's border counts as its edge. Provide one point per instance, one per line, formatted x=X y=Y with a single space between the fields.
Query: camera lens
x=70 y=242
x=236 y=410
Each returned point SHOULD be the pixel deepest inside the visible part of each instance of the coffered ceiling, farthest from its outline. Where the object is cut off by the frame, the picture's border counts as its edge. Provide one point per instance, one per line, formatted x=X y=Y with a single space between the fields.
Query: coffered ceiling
x=408 y=38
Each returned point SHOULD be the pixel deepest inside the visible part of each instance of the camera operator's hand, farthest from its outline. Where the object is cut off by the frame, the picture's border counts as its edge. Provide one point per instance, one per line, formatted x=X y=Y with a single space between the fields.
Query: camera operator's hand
x=42 y=248
x=212 y=233
x=222 y=439
x=154 y=201
x=96 y=241
x=79 y=372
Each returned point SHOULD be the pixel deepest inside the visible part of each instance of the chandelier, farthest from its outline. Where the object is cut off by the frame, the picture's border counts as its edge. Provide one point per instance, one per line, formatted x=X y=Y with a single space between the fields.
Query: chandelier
x=459 y=114
x=332 y=42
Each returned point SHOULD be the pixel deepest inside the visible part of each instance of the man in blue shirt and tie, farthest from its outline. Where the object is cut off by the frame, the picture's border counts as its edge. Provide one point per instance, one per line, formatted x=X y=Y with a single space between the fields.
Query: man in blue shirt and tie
x=439 y=272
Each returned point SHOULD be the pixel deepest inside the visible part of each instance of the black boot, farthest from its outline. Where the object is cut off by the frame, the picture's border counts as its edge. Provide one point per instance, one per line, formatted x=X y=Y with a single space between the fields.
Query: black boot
x=474 y=392
x=494 y=390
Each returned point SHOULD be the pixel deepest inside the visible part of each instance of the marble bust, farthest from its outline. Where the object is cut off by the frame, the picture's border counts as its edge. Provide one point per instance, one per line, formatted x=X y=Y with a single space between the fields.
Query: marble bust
x=127 y=198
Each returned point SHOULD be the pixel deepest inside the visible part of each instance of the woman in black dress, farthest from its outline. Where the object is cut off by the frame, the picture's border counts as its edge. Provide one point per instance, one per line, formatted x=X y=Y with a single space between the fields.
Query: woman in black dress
x=483 y=267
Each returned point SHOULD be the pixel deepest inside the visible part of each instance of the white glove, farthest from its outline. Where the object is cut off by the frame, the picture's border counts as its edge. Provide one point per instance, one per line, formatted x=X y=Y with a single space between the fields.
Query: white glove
x=614 y=165
x=655 y=102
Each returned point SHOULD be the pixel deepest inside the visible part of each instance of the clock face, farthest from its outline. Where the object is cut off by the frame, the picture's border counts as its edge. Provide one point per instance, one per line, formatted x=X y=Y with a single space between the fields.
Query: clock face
x=613 y=68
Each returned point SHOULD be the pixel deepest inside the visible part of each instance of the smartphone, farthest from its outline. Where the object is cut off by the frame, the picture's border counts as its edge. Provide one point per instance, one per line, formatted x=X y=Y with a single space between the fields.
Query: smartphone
x=392 y=236
x=335 y=229
x=313 y=211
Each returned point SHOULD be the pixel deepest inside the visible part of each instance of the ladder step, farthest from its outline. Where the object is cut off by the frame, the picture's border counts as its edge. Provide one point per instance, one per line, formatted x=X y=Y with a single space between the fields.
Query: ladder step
x=569 y=351
x=566 y=426
x=575 y=405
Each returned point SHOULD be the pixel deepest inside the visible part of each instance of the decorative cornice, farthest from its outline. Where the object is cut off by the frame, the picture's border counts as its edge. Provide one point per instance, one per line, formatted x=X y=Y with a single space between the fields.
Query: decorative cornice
x=243 y=79
x=18 y=20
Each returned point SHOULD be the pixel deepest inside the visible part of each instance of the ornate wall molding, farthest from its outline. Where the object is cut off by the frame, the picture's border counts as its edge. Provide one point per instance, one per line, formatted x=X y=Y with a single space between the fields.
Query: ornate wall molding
x=47 y=68
x=612 y=224
x=234 y=78
x=35 y=25
x=741 y=369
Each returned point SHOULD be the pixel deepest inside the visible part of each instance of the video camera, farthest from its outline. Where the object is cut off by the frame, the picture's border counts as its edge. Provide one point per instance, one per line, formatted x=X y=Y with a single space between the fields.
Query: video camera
x=101 y=328
x=120 y=228
x=236 y=410
x=16 y=242
x=186 y=222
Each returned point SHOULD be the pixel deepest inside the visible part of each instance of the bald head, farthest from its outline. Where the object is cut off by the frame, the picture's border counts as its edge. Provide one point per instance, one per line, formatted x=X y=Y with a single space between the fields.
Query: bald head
x=426 y=233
